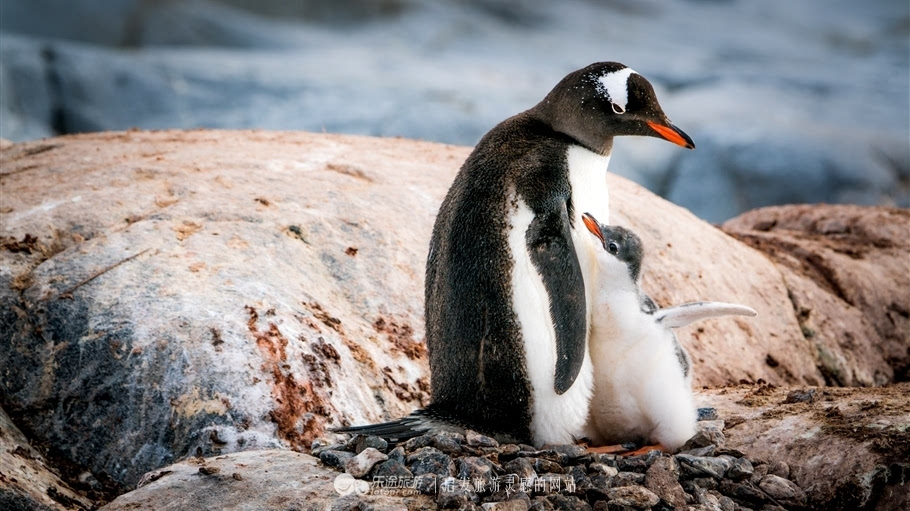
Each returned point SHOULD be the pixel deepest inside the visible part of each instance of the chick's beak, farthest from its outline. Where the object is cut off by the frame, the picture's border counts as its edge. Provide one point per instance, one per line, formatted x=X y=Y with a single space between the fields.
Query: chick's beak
x=673 y=134
x=592 y=226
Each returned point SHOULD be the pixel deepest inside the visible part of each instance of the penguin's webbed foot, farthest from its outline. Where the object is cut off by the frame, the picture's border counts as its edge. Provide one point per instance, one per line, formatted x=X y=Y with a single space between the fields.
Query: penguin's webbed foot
x=608 y=449
x=646 y=449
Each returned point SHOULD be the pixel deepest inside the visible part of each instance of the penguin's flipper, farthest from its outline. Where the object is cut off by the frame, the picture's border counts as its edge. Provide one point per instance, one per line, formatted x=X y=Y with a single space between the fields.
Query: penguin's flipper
x=682 y=315
x=549 y=240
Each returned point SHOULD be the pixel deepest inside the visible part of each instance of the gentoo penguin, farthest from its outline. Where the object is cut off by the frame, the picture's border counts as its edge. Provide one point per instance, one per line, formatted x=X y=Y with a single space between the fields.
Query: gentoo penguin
x=642 y=375
x=509 y=267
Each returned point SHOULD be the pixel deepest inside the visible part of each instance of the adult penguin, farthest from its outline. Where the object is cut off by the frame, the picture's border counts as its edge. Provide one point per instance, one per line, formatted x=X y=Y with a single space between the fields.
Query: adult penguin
x=511 y=267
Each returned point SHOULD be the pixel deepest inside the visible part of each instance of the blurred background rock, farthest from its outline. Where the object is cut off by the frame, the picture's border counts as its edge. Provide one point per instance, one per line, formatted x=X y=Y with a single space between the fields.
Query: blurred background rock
x=787 y=101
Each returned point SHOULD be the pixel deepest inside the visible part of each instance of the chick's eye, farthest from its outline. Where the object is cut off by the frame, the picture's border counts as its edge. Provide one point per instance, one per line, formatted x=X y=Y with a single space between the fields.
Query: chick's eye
x=613 y=247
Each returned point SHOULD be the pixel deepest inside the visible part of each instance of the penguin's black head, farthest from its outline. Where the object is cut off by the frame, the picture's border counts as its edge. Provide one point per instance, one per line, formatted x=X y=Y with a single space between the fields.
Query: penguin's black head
x=605 y=100
x=619 y=242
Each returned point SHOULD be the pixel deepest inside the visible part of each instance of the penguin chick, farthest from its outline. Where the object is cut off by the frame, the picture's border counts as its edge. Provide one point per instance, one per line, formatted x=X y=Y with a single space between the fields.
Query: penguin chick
x=642 y=376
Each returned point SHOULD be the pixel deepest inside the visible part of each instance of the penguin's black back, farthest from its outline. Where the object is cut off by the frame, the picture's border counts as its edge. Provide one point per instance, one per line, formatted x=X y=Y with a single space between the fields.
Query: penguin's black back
x=474 y=341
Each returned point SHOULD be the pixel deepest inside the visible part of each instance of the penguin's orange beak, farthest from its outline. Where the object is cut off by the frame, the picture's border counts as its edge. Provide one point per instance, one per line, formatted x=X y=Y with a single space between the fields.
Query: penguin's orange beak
x=591 y=224
x=673 y=134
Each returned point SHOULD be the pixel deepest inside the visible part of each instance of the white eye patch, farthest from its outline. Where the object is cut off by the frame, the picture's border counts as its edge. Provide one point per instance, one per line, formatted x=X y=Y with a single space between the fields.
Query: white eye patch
x=615 y=86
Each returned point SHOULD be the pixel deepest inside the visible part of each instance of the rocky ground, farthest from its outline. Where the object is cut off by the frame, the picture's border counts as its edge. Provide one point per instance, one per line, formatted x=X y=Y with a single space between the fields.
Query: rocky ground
x=197 y=294
x=762 y=447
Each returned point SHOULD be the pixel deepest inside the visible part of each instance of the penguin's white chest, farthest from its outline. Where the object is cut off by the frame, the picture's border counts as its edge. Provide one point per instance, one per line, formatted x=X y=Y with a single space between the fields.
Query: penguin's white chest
x=588 y=178
x=557 y=418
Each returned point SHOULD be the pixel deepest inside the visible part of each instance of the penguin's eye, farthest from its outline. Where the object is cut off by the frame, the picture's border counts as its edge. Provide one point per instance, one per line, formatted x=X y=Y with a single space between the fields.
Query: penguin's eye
x=613 y=247
x=618 y=109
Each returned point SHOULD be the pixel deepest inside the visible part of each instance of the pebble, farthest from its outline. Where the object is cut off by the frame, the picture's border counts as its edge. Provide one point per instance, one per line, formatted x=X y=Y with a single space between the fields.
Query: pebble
x=475 y=439
x=476 y=470
x=705 y=476
x=360 y=465
x=542 y=465
x=392 y=468
x=335 y=459
x=397 y=454
x=708 y=450
x=522 y=467
x=707 y=414
x=362 y=442
x=662 y=478
x=454 y=494
x=429 y=460
x=741 y=469
x=600 y=468
x=782 y=489
x=779 y=468
x=628 y=479
x=699 y=466
x=634 y=496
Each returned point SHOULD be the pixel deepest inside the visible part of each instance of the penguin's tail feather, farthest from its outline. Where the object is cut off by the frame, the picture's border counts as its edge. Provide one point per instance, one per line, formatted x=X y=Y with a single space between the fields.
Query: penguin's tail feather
x=682 y=315
x=420 y=422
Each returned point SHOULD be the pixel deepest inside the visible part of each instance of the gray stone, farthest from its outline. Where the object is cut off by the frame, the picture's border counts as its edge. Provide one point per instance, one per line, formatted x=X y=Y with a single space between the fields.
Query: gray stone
x=542 y=465
x=508 y=451
x=708 y=450
x=477 y=470
x=706 y=414
x=604 y=469
x=726 y=503
x=391 y=468
x=427 y=484
x=759 y=472
x=429 y=460
x=417 y=442
x=362 y=442
x=335 y=458
x=455 y=494
x=546 y=454
x=779 y=468
x=699 y=466
x=541 y=504
x=707 y=500
x=742 y=491
x=397 y=454
x=740 y=469
x=708 y=432
x=634 y=496
x=360 y=465
x=573 y=453
x=782 y=489
x=522 y=467
x=662 y=479
x=628 y=478
x=447 y=444
x=475 y=439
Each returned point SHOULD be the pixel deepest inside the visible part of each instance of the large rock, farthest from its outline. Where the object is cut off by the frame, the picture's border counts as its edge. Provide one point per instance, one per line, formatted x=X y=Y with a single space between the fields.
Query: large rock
x=846 y=448
x=27 y=480
x=844 y=267
x=178 y=293
x=260 y=480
